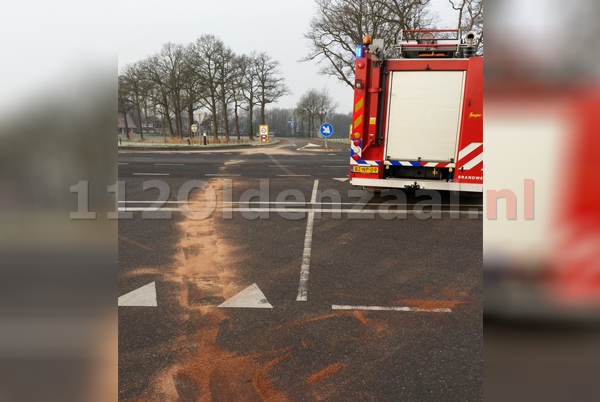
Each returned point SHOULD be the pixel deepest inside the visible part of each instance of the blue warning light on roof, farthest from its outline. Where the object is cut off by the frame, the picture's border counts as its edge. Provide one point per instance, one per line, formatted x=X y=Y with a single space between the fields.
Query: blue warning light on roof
x=360 y=52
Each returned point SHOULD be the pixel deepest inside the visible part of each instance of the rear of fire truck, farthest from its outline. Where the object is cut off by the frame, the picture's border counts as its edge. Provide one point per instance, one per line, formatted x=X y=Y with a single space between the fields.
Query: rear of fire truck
x=418 y=117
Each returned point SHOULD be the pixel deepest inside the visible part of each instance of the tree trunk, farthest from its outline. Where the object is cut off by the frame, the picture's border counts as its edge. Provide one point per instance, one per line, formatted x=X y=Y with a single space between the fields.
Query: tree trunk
x=225 y=119
x=139 y=108
x=168 y=115
x=236 y=121
x=191 y=119
x=126 y=125
x=146 y=114
x=214 y=119
x=250 y=113
x=262 y=113
x=178 y=122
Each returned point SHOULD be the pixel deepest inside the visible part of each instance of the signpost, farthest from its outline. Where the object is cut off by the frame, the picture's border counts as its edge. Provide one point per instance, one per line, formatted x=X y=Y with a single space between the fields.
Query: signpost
x=263 y=131
x=194 y=128
x=326 y=130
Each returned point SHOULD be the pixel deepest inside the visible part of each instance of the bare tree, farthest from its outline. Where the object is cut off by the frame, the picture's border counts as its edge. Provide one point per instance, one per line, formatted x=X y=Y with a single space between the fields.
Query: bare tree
x=125 y=104
x=250 y=88
x=171 y=63
x=224 y=77
x=237 y=95
x=205 y=58
x=271 y=86
x=138 y=88
x=165 y=70
x=191 y=87
x=470 y=18
x=342 y=24
x=325 y=105
x=315 y=105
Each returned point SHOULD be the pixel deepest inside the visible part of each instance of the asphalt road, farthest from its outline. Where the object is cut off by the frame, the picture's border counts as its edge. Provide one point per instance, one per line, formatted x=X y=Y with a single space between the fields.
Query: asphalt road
x=363 y=299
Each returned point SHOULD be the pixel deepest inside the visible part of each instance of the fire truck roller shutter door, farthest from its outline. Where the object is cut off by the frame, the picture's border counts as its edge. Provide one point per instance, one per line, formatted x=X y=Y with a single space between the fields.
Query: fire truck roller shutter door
x=424 y=115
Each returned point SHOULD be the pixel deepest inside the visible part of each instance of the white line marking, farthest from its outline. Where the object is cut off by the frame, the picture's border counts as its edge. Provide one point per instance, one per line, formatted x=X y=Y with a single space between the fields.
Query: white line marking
x=251 y=297
x=297 y=210
x=287 y=203
x=169 y=164
x=293 y=175
x=377 y=308
x=223 y=175
x=304 y=269
x=151 y=174
x=313 y=198
x=282 y=203
x=152 y=202
x=141 y=297
x=342 y=179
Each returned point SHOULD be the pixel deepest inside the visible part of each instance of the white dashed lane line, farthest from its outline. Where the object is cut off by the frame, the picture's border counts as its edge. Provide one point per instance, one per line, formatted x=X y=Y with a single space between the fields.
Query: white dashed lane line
x=304 y=269
x=382 y=308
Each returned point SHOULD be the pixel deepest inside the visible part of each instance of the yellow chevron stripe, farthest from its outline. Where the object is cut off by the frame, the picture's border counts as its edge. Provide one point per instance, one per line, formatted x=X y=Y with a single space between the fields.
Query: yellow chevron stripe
x=358 y=105
x=358 y=121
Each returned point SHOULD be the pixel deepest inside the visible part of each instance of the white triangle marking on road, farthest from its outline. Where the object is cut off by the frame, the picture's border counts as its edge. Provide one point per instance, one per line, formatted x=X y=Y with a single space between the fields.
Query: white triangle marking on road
x=141 y=297
x=251 y=297
x=341 y=178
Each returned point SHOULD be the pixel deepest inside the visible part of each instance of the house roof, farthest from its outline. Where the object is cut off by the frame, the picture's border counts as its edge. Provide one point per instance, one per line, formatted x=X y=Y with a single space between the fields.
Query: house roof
x=130 y=122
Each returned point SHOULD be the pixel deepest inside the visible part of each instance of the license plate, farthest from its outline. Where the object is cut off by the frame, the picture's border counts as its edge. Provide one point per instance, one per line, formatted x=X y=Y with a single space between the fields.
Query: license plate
x=365 y=169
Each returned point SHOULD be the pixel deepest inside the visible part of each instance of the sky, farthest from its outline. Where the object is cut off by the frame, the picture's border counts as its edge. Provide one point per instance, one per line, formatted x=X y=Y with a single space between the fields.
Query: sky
x=274 y=26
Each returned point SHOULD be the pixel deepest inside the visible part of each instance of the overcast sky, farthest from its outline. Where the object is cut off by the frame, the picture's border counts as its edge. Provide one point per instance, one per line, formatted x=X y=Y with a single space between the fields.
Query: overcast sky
x=274 y=26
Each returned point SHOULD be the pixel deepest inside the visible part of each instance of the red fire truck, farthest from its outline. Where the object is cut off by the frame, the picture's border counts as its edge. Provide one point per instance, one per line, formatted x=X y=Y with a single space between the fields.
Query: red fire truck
x=418 y=117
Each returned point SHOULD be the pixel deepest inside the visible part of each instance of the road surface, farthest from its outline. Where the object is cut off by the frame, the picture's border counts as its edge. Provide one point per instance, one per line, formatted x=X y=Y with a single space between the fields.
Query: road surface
x=326 y=292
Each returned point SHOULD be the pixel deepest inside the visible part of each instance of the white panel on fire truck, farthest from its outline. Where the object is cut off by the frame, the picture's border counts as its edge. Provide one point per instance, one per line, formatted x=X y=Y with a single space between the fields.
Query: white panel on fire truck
x=424 y=115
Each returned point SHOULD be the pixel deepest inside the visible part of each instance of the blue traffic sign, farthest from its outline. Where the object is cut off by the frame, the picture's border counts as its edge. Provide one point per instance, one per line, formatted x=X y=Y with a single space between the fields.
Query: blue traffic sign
x=326 y=130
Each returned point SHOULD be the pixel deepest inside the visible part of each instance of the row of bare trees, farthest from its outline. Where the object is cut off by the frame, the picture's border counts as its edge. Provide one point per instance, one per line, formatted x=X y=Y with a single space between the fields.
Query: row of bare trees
x=290 y=122
x=339 y=25
x=313 y=107
x=207 y=76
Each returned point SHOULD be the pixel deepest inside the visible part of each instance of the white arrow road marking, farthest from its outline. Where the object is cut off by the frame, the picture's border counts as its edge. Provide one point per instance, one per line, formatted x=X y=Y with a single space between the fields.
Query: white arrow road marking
x=342 y=179
x=251 y=297
x=142 y=297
